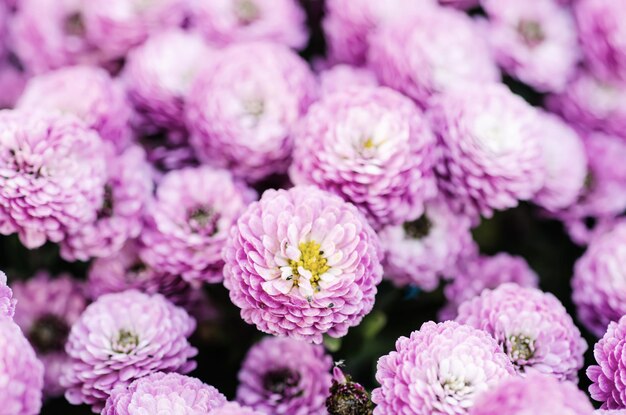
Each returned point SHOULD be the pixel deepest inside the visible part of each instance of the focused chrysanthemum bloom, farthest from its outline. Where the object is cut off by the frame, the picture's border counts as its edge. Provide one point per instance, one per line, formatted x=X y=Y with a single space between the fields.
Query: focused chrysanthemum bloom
x=439 y=370
x=116 y=26
x=283 y=376
x=302 y=263
x=534 y=42
x=164 y=393
x=532 y=327
x=7 y=302
x=565 y=162
x=122 y=337
x=341 y=77
x=126 y=192
x=492 y=156
x=348 y=24
x=606 y=376
x=373 y=147
x=232 y=21
x=158 y=76
x=534 y=394
x=86 y=92
x=47 y=310
x=420 y=251
x=187 y=224
x=242 y=111
x=599 y=283
x=233 y=408
x=591 y=103
x=21 y=373
x=601 y=33
x=477 y=273
x=52 y=176
x=423 y=56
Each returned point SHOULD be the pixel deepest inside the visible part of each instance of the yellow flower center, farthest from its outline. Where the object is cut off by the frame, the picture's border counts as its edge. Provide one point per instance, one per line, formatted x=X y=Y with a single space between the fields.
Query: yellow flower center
x=369 y=143
x=311 y=259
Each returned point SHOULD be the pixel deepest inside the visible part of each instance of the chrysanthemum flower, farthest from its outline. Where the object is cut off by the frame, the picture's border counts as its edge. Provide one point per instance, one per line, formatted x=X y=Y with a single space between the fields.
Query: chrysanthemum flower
x=52 y=176
x=420 y=251
x=492 y=157
x=47 y=310
x=283 y=376
x=188 y=223
x=243 y=110
x=532 y=327
x=122 y=337
x=224 y=22
x=535 y=394
x=7 y=302
x=21 y=374
x=161 y=393
x=606 y=376
x=440 y=370
x=301 y=263
x=431 y=52
x=86 y=92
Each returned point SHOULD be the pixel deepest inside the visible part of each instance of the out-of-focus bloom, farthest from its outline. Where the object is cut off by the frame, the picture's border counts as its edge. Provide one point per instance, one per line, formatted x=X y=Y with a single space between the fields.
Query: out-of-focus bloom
x=21 y=374
x=440 y=370
x=233 y=408
x=492 y=157
x=242 y=111
x=158 y=76
x=52 y=175
x=374 y=148
x=348 y=24
x=126 y=192
x=7 y=302
x=590 y=103
x=565 y=163
x=122 y=337
x=420 y=251
x=599 y=283
x=606 y=376
x=86 y=92
x=341 y=77
x=534 y=42
x=610 y=412
x=301 y=263
x=47 y=309
x=532 y=327
x=283 y=376
x=168 y=150
x=116 y=26
x=161 y=393
x=188 y=223
x=347 y=397
x=477 y=273
x=12 y=83
x=432 y=52
x=232 y=21
x=535 y=394
x=601 y=33
x=460 y=4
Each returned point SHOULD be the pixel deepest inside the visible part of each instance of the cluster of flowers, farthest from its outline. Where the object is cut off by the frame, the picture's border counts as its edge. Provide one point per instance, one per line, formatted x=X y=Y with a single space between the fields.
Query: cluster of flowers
x=138 y=135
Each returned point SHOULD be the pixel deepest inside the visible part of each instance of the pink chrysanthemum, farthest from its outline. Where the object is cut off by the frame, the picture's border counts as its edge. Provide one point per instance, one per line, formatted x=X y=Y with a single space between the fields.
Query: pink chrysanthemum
x=223 y=22
x=47 y=309
x=188 y=223
x=21 y=374
x=341 y=77
x=282 y=376
x=534 y=42
x=7 y=302
x=122 y=337
x=243 y=110
x=161 y=393
x=420 y=251
x=532 y=327
x=158 y=76
x=233 y=408
x=535 y=394
x=301 y=263
x=374 y=148
x=126 y=192
x=423 y=56
x=607 y=375
x=53 y=175
x=440 y=370
x=86 y=92
x=491 y=152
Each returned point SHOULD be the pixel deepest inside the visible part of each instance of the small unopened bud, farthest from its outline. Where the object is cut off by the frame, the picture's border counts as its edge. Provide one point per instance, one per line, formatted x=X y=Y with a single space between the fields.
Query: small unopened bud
x=347 y=397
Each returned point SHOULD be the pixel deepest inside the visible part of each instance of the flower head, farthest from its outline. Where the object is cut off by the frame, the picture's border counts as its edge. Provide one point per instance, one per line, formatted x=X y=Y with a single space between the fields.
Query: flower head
x=607 y=386
x=7 y=302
